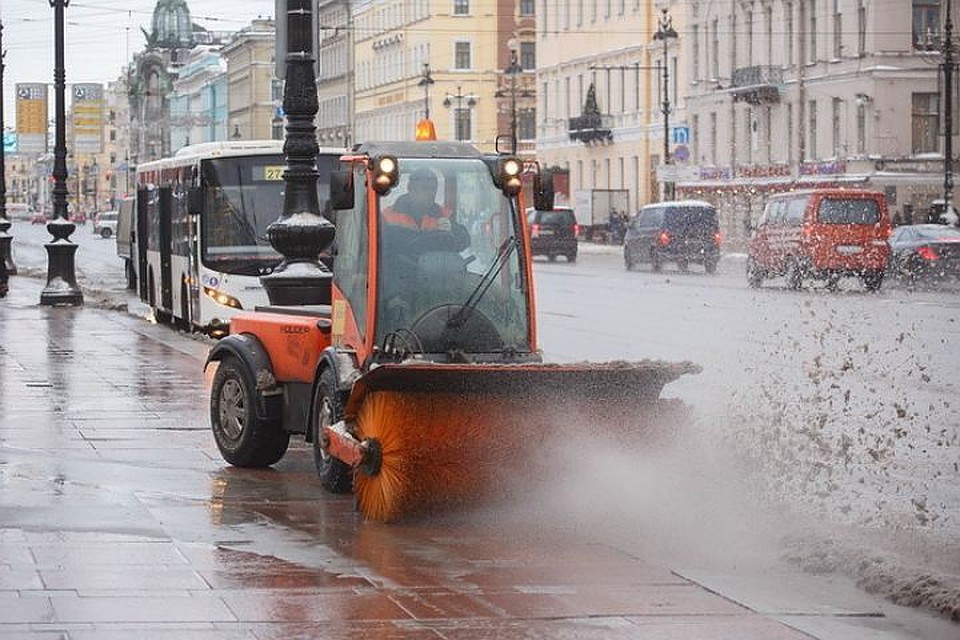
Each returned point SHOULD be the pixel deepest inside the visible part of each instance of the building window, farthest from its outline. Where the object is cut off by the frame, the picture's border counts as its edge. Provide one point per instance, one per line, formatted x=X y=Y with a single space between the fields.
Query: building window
x=461 y=59
x=861 y=29
x=789 y=149
x=812 y=146
x=835 y=116
x=837 y=35
x=768 y=27
x=695 y=137
x=695 y=53
x=788 y=19
x=527 y=124
x=713 y=138
x=812 y=53
x=528 y=56
x=733 y=42
x=926 y=24
x=715 y=50
x=749 y=38
x=463 y=124
x=861 y=128
x=527 y=8
x=925 y=122
x=461 y=7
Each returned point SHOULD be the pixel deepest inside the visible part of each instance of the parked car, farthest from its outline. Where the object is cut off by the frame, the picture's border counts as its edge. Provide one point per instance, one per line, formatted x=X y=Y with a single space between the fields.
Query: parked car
x=38 y=217
x=78 y=217
x=925 y=252
x=105 y=224
x=680 y=231
x=824 y=234
x=554 y=233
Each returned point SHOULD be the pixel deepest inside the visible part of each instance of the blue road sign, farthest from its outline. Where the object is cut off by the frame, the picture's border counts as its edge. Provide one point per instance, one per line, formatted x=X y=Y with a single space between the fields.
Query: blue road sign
x=681 y=135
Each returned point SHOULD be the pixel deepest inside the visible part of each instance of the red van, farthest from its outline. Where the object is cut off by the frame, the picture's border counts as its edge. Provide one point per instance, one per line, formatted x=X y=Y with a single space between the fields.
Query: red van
x=824 y=234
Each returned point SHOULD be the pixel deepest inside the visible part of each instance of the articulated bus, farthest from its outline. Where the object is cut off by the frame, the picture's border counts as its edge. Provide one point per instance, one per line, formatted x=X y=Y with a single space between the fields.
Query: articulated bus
x=199 y=242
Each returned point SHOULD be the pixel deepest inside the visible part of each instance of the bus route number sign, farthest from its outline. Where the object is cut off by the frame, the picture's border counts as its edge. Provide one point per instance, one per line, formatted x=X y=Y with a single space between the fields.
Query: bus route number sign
x=273 y=172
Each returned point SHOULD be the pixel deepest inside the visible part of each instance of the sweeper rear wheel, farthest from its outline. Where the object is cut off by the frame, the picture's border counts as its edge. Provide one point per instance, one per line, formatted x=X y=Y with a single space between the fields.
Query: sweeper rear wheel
x=335 y=476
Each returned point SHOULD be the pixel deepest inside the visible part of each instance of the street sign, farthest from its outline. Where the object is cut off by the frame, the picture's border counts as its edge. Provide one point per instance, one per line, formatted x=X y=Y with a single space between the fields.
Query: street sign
x=681 y=153
x=681 y=135
x=32 y=117
x=677 y=173
x=87 y=118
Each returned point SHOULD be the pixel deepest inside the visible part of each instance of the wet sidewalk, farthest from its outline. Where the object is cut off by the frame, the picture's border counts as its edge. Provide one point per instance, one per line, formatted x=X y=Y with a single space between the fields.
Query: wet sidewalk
x=119 y=519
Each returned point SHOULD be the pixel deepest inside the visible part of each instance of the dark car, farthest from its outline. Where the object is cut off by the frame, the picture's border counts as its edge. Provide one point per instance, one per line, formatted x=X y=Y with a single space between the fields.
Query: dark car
x=681 y=231
x=925 y=252
x=553 y=233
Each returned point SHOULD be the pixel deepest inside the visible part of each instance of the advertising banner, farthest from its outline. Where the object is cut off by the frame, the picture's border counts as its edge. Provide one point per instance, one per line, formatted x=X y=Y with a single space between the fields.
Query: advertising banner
x=87 y=118
x=32 y=117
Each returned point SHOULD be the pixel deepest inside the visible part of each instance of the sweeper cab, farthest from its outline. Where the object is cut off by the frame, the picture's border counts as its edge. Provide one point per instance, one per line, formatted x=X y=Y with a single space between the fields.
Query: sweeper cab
x=422 y=379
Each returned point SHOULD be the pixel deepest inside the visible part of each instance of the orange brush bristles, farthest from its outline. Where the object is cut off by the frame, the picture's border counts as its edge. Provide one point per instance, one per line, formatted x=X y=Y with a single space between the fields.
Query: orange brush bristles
x=437 y=449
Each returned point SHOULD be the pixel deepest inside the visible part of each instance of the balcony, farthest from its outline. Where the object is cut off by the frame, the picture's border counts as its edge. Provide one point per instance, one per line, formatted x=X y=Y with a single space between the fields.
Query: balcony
x=756 y=85
x=590 y=128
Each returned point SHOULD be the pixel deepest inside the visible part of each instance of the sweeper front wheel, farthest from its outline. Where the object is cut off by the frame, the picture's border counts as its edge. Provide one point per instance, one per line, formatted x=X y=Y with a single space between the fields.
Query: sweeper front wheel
x=244 y=439
x=335 y=476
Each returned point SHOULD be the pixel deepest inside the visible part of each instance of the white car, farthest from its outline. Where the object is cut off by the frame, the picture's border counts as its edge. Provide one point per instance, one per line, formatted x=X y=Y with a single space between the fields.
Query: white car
x=105 y=224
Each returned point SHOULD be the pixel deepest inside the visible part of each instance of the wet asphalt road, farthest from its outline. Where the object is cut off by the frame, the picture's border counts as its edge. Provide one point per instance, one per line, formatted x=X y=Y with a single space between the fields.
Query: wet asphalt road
x=118 y=517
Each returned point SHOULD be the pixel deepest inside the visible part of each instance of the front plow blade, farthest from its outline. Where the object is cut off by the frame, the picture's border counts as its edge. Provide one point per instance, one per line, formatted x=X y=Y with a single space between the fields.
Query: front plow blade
x=458 y=433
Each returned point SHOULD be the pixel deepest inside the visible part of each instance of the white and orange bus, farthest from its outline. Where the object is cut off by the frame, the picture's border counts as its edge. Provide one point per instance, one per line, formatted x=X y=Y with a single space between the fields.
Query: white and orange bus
x=199 y=243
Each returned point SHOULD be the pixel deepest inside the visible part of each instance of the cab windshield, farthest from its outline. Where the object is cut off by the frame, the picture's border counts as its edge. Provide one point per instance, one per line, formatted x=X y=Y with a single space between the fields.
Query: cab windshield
x=451 y=276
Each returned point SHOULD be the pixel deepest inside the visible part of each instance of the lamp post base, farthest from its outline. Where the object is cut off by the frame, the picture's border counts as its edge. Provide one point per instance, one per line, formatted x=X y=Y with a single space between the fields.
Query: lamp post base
x=5 y=253
x=61 y=286
x=298 y=283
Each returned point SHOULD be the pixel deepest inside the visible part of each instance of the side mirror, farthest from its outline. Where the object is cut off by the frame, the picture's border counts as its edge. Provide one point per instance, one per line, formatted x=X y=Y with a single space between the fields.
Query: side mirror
x=543 y=190
x=341 y=190
x=194 y=201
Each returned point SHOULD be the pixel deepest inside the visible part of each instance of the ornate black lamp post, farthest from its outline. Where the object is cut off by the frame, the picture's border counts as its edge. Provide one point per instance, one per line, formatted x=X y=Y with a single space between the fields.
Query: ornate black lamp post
x=5 y=238
x=301 y=233
x=462 y=124
x=61 y=286
x=948 y=80
x=512 y=70
x=666 y=32
x=425 y=81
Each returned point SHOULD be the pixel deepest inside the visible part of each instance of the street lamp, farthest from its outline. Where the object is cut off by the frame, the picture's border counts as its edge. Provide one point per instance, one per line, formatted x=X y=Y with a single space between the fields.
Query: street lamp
x=301 y=233
x=511 y=71
x=61 y=286
x=666 y=32
x=462 y=123
x=6 y=255
x=425 y=81
x=948 y=79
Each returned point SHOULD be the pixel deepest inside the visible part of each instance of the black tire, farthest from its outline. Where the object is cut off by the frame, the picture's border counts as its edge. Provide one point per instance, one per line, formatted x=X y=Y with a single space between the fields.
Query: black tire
x=872 y=280
x=552 y=257
x=105 y=233
x=683 y=265
x=572 y=257
x=335 y=476
x=243 y=438
x=794 y=274
x=754 y=274
x=710 y=265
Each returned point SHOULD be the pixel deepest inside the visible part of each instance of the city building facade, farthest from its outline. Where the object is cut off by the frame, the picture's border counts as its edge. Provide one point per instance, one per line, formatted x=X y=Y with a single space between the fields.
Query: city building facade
x=786 y=94
x=600 y=95
x=253 y=92
x=198 y=104
x=335 y=76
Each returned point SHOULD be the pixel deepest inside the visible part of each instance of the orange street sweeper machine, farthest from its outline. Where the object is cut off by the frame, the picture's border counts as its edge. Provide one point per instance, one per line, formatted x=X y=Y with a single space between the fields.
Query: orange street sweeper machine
x=422 y=382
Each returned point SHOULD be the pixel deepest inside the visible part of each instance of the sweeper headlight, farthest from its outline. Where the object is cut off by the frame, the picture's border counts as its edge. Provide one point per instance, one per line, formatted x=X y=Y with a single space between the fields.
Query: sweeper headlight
x=384 y=173
x=508 y=171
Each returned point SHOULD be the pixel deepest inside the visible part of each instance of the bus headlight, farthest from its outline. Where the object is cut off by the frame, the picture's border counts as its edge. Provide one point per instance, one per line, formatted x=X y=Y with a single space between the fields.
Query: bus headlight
x=222 y=298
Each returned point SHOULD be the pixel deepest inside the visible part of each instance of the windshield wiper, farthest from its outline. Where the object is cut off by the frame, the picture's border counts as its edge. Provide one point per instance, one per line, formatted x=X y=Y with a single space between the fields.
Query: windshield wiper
x=503 y=254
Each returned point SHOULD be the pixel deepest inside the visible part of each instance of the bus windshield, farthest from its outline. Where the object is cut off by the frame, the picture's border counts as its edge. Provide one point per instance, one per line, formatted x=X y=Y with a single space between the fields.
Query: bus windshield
x=242 y=196
x=460 y=282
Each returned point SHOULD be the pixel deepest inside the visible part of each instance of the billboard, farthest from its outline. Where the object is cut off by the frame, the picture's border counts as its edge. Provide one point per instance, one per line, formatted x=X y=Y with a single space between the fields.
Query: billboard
x=87 y=118
x=32 y=117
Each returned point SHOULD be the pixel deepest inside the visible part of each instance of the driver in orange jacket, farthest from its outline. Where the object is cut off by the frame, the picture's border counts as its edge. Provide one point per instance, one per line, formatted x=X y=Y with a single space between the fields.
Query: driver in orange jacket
x=417 y=211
